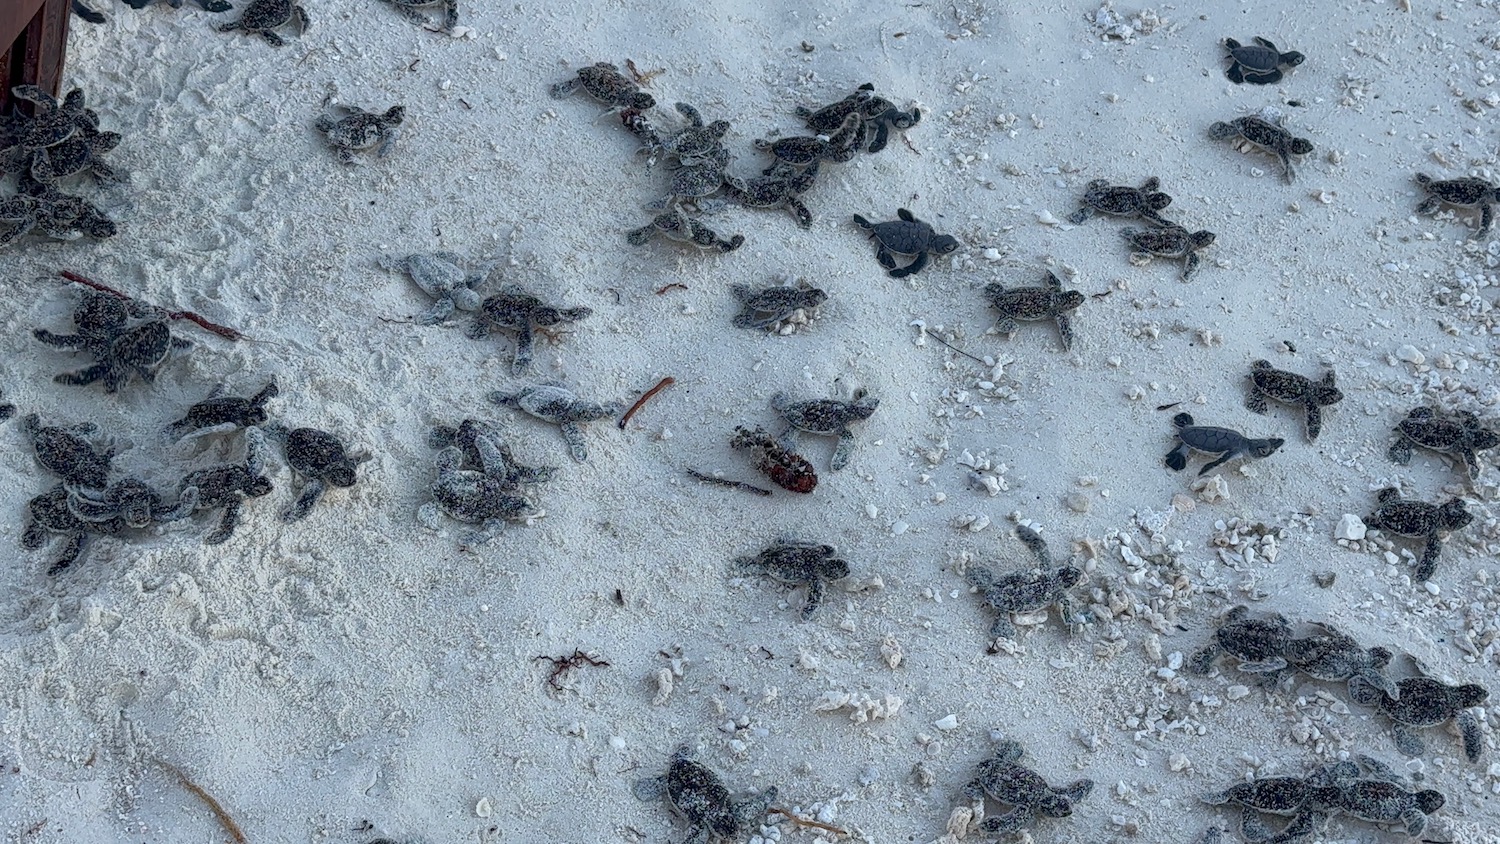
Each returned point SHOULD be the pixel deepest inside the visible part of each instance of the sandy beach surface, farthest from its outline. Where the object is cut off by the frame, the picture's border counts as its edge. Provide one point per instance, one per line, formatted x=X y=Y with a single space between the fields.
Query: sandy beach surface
x=360 y=674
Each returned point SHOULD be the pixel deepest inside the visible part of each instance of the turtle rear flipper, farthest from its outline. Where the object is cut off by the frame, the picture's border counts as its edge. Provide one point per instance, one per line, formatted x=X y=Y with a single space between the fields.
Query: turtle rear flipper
x=1408 y=741
x=1427 y=565
x=1256 y=401
x=649 y=788
x=1177 y=458
x=1080 y=215
x=1473 y=736
x=1314 y=420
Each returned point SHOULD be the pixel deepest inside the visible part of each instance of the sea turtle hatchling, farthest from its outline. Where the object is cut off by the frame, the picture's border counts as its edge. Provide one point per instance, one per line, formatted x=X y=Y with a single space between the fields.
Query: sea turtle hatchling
x=805 y=151
x=131 y=502
x=1380 y=796
x=1268 y=382
x=1308 y=799
x=696 y=185
x=514 y=309
x=51 y=121
x=605 y=83
x=225 y=488
x=42 y=208
x=1419 y=520
x=555 y=403
x=359 y=129
x=1004 y=779
x=1026 y=591
x=796 y=563
x=1460 y=434
x=441 y=275
x=48 y=514
x=696 y=144
x=878 y=114
x=261 y=17
x=906 y=235
x=768 y=306
x=1258 y=643
x=221 y=413
x=409 y=9
x=78 y=154
x=827 y=417
x=320 y=460
x=1266 y=135
x=474 y=496
x=1259 y=63
x=703 y=800
x=64 y=452
x=1030 y=304
x=1099 y=196
x=485 y=449
x=1463 y=192
x=7 y=410
x=1335 y=656
x=676 y=224
x=1224 y=442
x=781 y=188
x=139 y=351
x=1426 y=702
x=1169 y=241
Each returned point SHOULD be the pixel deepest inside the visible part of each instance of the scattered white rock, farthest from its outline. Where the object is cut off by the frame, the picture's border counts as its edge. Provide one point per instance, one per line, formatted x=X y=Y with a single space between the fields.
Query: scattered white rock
x=1350 y=527
x=864 y=707
x=482 y=808
x=1211 y=489
x=947 y=722
x=664 y=685
x=1410 y=354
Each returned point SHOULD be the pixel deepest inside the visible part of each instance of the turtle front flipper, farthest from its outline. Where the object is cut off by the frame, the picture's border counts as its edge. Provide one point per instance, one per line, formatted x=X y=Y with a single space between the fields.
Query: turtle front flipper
x=912 y=268
x=1256 y=401
x=1203 y=660
x=1400 y=451
x=1223 y=458
x=1427 y=566
x=1314 y=420
x=525 y=344
x=1080 y=215
x=440 y=310
x=1287 y=172
x=1486 y=217
x=1408 y=741
x=572 y=434
x=1012 y=821
x=842 y=451
x=649 y=788
x=1473 y=736
x=1471 y=462
x=309 y=497
x=816 y=591
x=1189 y=265
x=1065 y=331
x=70 y=554
x=1270 y=77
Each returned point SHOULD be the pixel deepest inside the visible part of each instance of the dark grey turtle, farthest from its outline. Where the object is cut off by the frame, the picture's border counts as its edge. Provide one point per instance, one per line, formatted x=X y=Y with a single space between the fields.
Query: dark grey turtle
x=82 y=10
x=878 y=114
x=485 y=449
x=226 y=487
x=1425 y=702
x=1169 y=241
x=1099 y=196
x=1419 y=520
x=1259 y=63
x=475 y=496
x=99 y=317
x=48 y=513
x=795 y=563
x=827 y=417
x=768 y=306
x=552 y=402
x=906 y=236
x=699 y=795
x=1335 y=656
x=805 y=151
x=1460 y=434
x=1268 y=382
x=696 y=144
x=514 y=309
x=442 y=276
x=1463 y=192
x=1307 y=799
x=139 y=351
x=1003 y=779
x=263 y=16
x=676 y=224
x=1026 y=591
x=208 y=5
x=1380 y=796
x=52 y=122
x=1030 y=304
x=1225 y=443
x=43 y=208
x=320 y=460
x=696 y=184
x=778 y=189
x=409 y=9
x=78 y=154
x=605 y=83
x=64 y=452
x=131 y=502
x=220 y=412
x=359 y=129
x=1258 y=643
x=1268 y=136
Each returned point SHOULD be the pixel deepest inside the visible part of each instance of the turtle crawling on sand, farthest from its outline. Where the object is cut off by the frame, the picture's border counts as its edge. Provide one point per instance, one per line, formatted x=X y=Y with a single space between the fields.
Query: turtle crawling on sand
x=778 y=189
x=906 y=236
x=1380 y=796
x=263 y=16
x=1419 y=520
x=768 y=306
x=221 y=412
x=320 y=459
x=1463 y=192
x=1028 y=590
x=1030 y=304
x=676 y=224
x=880 y=116
x=699 y=795
x=1426 y=702
x=1268 y=382
x=827 y=417
x=1460 y=434
x=1123 y=201
x=555 y=403
x=1334 y=655
x=514 y=309
x=1003 y=779
x=359 y=129
x=605 y=83
x=442 y=276
x=63 y=451
x=1259 y=63
x=48 y=514
x=1224 y=442
x=1169 y=241
x=1269 y=137
x=1258 y=643
x=797 y=563
x=409 y=10
x=226 y=487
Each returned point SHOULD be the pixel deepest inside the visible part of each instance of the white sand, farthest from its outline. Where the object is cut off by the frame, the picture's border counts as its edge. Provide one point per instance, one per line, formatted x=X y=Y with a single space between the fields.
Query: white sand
x=357 y=667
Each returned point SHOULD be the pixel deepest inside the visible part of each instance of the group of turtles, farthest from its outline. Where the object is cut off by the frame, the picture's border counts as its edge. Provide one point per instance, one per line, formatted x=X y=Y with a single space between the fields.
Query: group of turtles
x=264 y=17
x=58 y=146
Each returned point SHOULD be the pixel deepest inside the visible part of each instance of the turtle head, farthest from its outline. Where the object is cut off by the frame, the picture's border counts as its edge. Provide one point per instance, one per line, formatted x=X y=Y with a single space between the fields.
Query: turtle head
x=1469 y=694
x=1483 y=438
x=1221 y=130
x=1055 y=806
x=1265 y=447
x=1452 y=514
x=1068 y=576
x=1292 y=58
x=1156 y=200
x=1300 y=146
x=1423 y=179
x=642 y=101
x=833 y=569
x=1201 y=238
x=394 y=115
x=1430 y=801
x=1069 y=300
x=942 y=244
x=259 y=486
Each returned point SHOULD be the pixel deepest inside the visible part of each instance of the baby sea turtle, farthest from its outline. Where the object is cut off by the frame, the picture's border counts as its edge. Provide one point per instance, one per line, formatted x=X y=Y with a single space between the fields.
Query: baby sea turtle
x=408 y=10
x=696 y=144
x=1268 y=382
x=139 y=351
x=64 y=452
x=828 y=417
x=552 y=402
x=514 y=309
x=263 y=16
x=788 y=469
x=226 y=487
x=778 y=189
x=1268 y=136
x=48 y=513
x=1026 y=591
x=1307 y=798
x=485 y=449
x=675 y=224
x=320 y=459
x=605 y=83
x=42 y=208
x=699 y=795
x=1226 y=443
x=1123 y=201
x=1419 y=520
x=1003 y=779
x=1258 y=643
x=51 y=121
x=131 y=502
x=696 y=185
x=1425 y=702
x=805 y=151
x=906 y=236
x=795 y=564
x=878 y=115
x=1459 y=434
x=474 y=496
x=1335 y=656
x=78 y=154
x=768 y=306
x=1463 y=192
x=1259 y=63
x=1029 y=304
x=1169 y=241
x=442 y=276
x=359 y=129
x=221 y=412
x=1378 y=795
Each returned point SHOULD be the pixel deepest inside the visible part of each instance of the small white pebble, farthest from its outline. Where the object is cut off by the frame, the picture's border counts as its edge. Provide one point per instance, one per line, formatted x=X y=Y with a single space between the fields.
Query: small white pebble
x=617 y=742
x=1432 y=588
x=1410 y=354
x=1236 y=692
x=949 y=722
x=482 y=807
